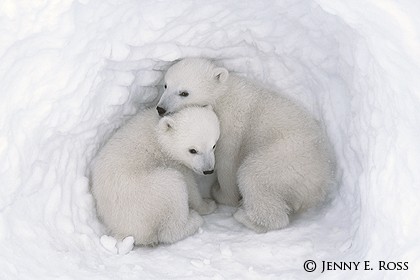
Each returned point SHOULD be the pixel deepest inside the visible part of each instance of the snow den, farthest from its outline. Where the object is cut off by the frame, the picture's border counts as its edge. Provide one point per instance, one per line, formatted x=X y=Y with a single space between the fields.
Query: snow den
x=71 y=72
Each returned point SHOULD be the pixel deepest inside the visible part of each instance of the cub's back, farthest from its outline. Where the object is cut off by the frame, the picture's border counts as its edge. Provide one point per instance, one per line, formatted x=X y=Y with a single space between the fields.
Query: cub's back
x=133 y=146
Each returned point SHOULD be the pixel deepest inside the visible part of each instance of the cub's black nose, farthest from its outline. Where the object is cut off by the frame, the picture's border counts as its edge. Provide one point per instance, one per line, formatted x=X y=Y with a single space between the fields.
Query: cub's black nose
x=208 y=172
x=161 y=111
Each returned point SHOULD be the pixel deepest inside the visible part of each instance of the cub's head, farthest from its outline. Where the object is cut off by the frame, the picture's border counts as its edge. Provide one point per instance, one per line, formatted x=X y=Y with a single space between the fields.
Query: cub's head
x=192 y=81
x=189 y=136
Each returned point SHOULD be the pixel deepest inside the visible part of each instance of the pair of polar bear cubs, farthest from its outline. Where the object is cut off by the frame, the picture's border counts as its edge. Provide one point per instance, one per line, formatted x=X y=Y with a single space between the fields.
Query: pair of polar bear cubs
x=272 y=158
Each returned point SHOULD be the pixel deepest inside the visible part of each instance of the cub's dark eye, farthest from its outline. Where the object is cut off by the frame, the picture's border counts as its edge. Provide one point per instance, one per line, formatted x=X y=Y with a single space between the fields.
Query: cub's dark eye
x=214 y=147
x=165 y=86
x=184 y=93
x=193 y=151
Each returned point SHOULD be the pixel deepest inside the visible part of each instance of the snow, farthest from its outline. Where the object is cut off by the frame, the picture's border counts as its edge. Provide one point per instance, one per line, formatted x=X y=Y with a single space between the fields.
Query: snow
x=71 y=72
x=117 y=247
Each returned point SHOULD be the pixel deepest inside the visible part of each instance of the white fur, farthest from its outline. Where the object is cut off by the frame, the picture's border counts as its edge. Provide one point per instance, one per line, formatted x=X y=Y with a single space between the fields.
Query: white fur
x=142 y=179
x=272 y=153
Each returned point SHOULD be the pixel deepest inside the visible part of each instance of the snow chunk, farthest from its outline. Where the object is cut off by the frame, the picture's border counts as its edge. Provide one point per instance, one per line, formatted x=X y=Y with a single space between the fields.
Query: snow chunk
x=125 y=246
x=109 y=243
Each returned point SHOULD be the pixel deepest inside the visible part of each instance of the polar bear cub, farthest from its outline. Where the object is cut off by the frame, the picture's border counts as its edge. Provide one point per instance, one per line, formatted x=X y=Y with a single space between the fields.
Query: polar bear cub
x=142 y=178
x=272 y=158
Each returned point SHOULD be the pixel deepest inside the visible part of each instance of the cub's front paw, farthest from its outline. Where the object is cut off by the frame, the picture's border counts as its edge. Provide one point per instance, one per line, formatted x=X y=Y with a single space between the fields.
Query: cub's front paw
x=216 y=192
x=222 y=197
x=207 y=207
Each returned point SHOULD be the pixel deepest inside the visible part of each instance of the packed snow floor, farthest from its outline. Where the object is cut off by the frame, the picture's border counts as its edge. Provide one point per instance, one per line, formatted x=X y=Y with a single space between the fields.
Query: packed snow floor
x=71 y=72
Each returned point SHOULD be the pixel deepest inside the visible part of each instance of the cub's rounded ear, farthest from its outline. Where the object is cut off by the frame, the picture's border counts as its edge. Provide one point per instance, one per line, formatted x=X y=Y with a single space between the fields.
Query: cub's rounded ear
x=166 y=124
x=209 y=107
x=220 y=74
